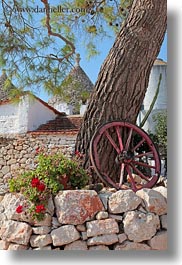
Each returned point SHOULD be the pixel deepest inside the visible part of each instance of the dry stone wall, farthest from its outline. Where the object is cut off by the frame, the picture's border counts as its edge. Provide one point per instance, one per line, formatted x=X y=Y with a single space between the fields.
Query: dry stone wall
x=87 y=220
x=19 y=153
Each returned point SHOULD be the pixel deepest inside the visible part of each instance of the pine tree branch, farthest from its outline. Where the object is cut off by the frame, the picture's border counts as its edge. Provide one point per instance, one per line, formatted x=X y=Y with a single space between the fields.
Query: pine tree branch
x=51 y=33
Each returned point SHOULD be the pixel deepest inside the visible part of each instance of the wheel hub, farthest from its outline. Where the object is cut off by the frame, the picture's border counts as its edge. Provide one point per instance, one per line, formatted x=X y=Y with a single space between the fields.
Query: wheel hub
x=124 y=157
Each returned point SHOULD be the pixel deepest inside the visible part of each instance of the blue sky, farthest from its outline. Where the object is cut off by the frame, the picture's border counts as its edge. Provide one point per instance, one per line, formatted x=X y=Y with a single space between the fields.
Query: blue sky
x=92 y=66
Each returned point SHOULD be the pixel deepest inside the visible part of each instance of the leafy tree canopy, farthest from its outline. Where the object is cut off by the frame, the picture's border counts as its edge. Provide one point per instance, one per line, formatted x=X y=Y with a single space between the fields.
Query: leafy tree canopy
x=39 y=39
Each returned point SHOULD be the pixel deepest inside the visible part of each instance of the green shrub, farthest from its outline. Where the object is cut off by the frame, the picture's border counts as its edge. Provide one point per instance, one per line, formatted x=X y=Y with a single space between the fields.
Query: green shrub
x=161 y=132
x=53 y=173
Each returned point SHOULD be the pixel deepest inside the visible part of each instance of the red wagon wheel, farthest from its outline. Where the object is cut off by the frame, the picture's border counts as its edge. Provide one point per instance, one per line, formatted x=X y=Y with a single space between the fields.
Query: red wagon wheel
x=136 y=159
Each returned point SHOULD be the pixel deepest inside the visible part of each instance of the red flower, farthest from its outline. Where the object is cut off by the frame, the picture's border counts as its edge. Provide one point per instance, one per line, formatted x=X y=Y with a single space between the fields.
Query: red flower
x=35 y=182
x=77 y=152
x=40 y=208
x=41 y=187
x=19 y=209
x=37 y=150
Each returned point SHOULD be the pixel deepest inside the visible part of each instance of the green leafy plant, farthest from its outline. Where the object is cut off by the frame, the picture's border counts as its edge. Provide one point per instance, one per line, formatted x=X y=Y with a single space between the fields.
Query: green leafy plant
x=161 y=131
x=53 y=173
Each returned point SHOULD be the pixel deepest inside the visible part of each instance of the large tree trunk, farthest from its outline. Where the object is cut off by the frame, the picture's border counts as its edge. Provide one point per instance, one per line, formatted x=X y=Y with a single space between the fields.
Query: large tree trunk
x=124 y=75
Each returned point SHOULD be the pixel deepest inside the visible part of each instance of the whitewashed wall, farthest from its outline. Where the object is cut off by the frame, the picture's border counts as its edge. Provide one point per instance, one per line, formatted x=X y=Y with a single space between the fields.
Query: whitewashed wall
x=38 y=114
x=64 y=107
x=13 y=117
x=26 y=115
x=161 y=102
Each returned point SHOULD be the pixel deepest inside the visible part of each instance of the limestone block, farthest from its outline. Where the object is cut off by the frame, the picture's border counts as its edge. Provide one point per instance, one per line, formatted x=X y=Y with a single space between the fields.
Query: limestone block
x=123 y=201
x=40 y=240
x=103 y=240
x=10 y=203
x=41 y=230
x=154 y=201
x=140 y=226
x=102 y=227
x=76 y=245
x=16 y=232
x=159 y=241
x=77 y=206
x=127 y=245
x=64 y=235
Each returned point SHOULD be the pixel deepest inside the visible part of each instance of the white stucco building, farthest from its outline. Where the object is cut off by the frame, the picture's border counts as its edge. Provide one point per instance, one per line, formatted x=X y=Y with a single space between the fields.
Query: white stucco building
x=159 y=67
x=26 y=114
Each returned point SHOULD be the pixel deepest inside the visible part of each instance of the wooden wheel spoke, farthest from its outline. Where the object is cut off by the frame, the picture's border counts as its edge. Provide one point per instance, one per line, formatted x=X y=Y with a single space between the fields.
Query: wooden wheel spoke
x=139 y=144
x=112 y=141
x=121 y=174
x=139 y=172
x=129 y=139
x=142 y=164
x=134 y=188
x=119 y=138
x=143 y=154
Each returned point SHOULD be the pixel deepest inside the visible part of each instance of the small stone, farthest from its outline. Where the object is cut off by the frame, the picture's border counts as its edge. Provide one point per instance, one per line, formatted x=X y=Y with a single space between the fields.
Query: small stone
x=163 y=219
x=100 y=247
x=2 y=162
x=84 y=235
x=154 y=201
x=122 y=237
x=64 y=235
x=123 y=201
x=5 y=170
x=101 y=215
x=116 y=217
x=102 y=227
x=76 y=245
x=159 y=241
x=11 y=162
x=40 y=240
x=103 y=240
x=81 y=228
x=127 y=245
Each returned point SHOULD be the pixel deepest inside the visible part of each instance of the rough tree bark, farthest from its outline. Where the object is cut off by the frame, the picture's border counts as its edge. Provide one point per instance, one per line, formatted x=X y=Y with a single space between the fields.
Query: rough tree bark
x=124 y=75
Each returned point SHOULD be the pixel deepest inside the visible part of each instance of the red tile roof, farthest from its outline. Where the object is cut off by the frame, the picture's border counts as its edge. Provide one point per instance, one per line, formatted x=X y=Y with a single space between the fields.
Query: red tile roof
x=62 y=124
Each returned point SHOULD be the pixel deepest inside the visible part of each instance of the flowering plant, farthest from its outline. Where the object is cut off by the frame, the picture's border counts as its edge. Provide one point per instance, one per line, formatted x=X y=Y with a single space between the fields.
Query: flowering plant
x=52 y=173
